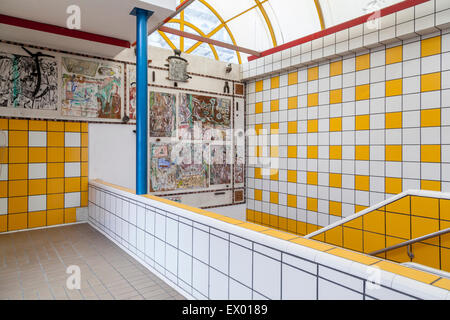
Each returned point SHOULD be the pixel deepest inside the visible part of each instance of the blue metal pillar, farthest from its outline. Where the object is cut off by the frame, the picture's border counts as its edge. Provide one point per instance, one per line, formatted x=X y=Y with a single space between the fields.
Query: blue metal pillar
x=141 y=99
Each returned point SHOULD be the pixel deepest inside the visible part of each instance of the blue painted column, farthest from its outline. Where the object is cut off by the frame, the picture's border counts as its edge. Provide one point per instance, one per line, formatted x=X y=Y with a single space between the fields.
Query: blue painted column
x=141 y=99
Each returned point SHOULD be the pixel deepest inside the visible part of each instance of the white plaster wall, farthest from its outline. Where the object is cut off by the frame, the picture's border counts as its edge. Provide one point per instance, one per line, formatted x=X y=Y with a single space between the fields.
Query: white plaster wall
x=112 y=153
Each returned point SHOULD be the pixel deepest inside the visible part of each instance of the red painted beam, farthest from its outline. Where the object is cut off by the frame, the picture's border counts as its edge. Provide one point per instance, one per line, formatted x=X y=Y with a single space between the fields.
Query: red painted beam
x=208 y=40
x=73 y=33
x=348 y=24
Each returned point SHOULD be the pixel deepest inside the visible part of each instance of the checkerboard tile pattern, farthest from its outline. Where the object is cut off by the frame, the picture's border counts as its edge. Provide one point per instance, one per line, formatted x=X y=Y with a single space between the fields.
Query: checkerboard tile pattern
x=333 y=138
x=43 y=172
x=406 y=218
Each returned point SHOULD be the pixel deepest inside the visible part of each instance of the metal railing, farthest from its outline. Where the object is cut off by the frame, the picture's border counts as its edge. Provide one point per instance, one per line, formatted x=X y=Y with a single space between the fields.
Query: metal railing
x=410 y=242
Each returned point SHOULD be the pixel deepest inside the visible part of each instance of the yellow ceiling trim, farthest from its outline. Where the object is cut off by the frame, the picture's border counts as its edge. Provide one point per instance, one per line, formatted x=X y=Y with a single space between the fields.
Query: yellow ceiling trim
x=166 y=38
x=200 y=32
x=209 y=35
x=269 y=24
x=245 y=11
x=226 y=27
x=320 y=14
x=182 y=29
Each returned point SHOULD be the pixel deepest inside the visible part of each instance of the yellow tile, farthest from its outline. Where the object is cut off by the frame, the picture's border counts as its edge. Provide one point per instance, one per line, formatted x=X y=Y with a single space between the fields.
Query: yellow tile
x=292 y=127
x=84 y=199
x=430 y=82
x=312 y=228
x=56 y=170
x=292 y=151
x=431 y=46
x=398 y=225
x=362 y=92
x=258 y=151
x=72 y=126
x=313 y=125
x=55 y=201
x=373 y=242
x=275 y=82
x=313 y=73
x=37 y=155
x=18 y=155
x=258 y=86
x=393 y=185
x=274 y=105
x=402 y=205
x=432 y=185
x=393 y=120
x=258 y=173
x=336 y=96
x=72 y=154
x=430 y=118
x=55 y=185
x=18 y=138
x=258 y=107
x=17 y=221
x=362 y=122
x=292 y=176
x=258 y=195
x=37 y=186
x=55 y=217
x=362 y=62
x=70 y=215
x=311 y=178
x=16 y=124
x=362 y=183
x=423 y=226
x=335 y=180
x=4 y=157
x=425 y=207
x=362 y=152
x=335 y=124
x=334 y=236
x=265 y=219
x=274 y=151
x=17 y=204
x=301 y=228
x=312 y=152
x=72 y=184
x=335 y=68
x=292 y=102
x=354 y=256
x=55 y=126
x=274 y=197
x=17 y=188
x=292 y=201
x=311 y=204
x=356 y=223
x=274 y=127
x=280 y=235
x=250 y=215
x=55 y=154
x=55 y=139
x=430 y=153
x=3 y=124
x=353 y=239
x=445 y=259
x=394 y=87
x=313 y=99
x=273 y=221
x=258 y=217
x=374 y=221
x=407 y=272
x=37 y=125
x=273 y=176
x=84 y=127
x=18 y=171
x=3 y=189
x=3 y=223
x=426 y=254
x=335 y=208
x=445 y=209
x=394 y=55
x=443 y=283
x=312 y=244
x=292 y=78
x=283 y=223
x=37 y=219
x=393 y=153
x=258 y=128
x=335 y=152
x=252 y=226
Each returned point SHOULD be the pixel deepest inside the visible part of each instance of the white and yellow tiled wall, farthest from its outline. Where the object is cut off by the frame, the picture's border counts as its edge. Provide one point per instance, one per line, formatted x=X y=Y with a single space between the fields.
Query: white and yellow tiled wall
x=349 y=132
x=43 y=172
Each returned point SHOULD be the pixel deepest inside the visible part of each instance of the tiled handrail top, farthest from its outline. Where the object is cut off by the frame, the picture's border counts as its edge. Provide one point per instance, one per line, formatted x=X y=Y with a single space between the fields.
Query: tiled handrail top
x=345 y=25
x=286 y=242
x=419 y=193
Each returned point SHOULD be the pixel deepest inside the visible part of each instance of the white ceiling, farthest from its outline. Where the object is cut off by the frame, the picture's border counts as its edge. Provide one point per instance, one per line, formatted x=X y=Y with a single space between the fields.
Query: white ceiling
x=103 y=17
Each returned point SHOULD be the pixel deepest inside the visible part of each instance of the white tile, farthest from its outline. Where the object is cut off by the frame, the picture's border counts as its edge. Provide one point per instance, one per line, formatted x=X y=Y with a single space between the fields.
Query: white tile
x=149 y=245
x=160 y=226
x=241 y=264
x=200 y=274
x=71 y=199
x=239 y=291
x=268 y=286
x=72 y=169
x=201 y=245
x=172 y=232
x=140 y=217
x=72 y=139
x=3 y=206
x=37 y=139
x=37 y=171
x=218 y=252
x=172 y=259
x=218 y=285
x=185 y=267
x=331 y=291
x=37 y=203
x=298 y=285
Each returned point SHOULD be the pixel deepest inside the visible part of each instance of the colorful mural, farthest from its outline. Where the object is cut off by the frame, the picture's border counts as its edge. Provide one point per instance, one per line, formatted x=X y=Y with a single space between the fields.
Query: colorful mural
x=162 y=114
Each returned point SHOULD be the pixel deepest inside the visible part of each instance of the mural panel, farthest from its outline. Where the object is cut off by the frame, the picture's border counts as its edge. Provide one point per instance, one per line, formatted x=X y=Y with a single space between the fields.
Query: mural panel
x=162 y=114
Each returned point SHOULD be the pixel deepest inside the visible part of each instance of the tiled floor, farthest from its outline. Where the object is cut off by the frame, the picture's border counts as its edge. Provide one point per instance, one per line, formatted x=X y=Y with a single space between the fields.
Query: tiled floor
x=33 y=266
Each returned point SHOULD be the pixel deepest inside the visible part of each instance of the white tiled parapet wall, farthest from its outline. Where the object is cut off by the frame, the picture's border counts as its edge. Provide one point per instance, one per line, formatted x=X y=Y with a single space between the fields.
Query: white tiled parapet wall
x=425 y=18
x=205 y=258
